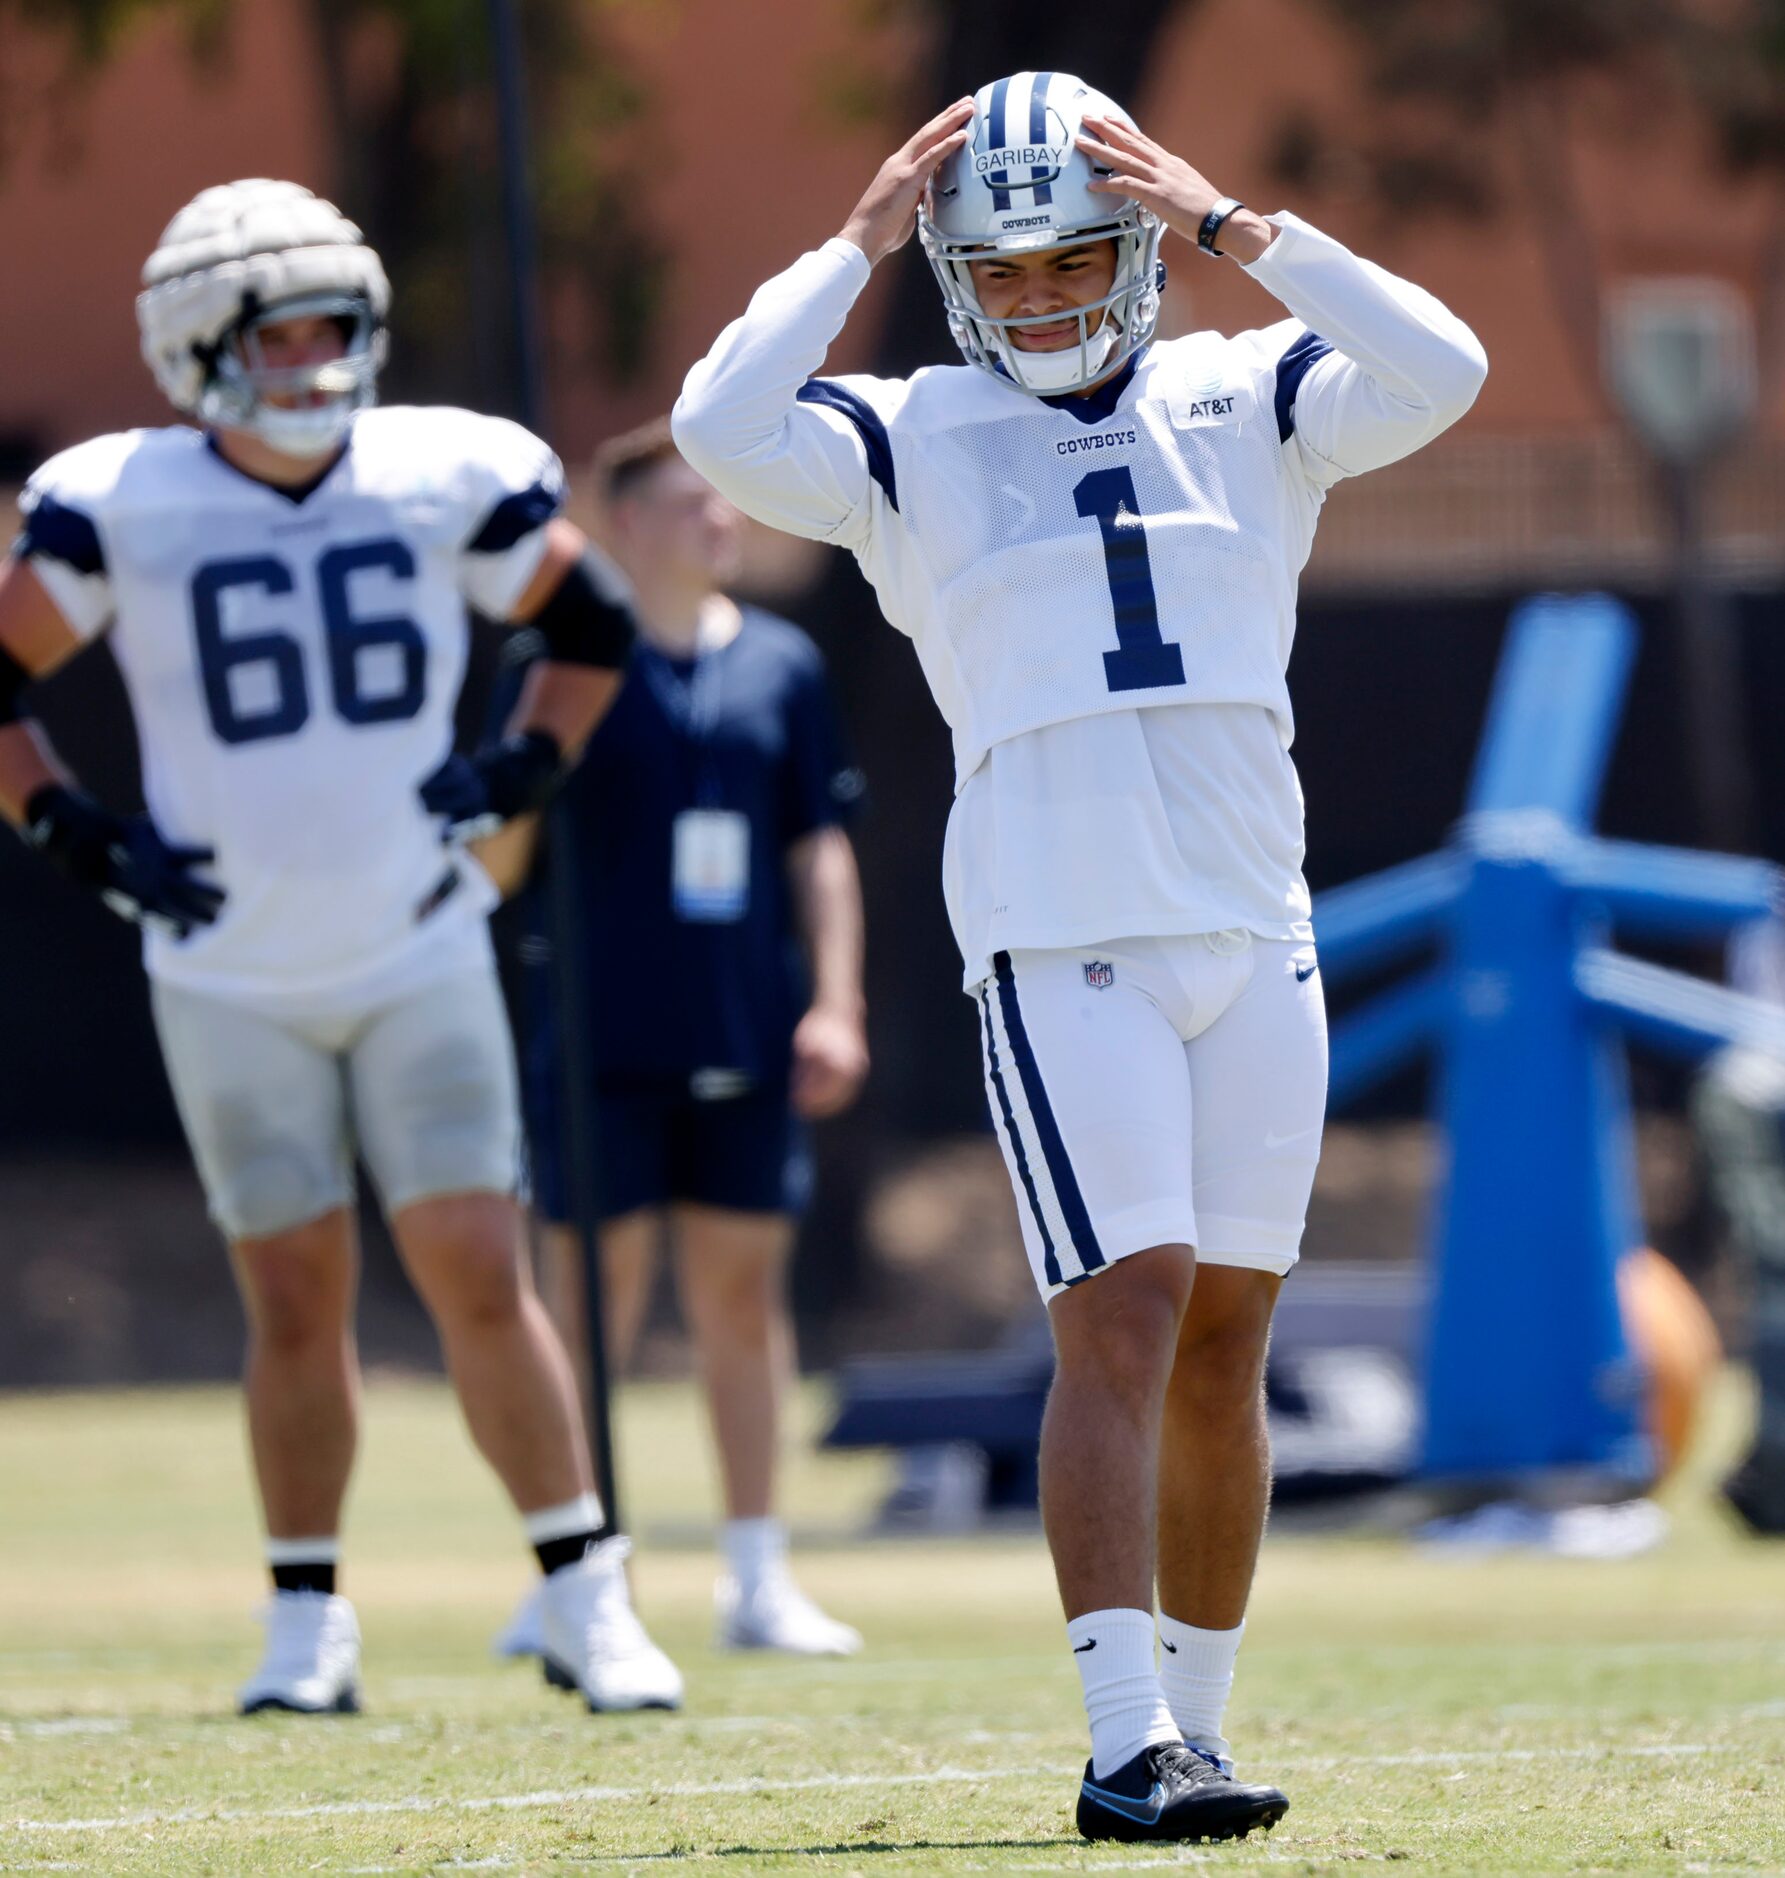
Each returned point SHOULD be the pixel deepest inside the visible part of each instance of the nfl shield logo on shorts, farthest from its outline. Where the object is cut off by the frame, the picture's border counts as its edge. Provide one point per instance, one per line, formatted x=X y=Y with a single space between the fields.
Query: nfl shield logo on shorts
x=1099 y=974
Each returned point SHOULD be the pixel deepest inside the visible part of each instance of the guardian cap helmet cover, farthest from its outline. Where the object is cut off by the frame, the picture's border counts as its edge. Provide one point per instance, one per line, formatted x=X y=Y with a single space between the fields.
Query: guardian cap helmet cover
x=235 y=259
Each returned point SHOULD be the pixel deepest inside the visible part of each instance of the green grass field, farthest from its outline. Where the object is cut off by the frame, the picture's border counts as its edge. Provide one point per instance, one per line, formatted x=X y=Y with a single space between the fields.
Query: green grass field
x=1530 y=1716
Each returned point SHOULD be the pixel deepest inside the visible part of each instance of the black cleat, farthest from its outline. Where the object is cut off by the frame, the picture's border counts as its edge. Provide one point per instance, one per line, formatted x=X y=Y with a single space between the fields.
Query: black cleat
x=1757 y=1492
x=1170 y=1791
x=346 y=1702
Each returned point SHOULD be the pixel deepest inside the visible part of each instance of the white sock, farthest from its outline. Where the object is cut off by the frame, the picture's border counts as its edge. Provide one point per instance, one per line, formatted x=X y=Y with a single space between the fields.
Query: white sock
x=1123 y=1701
x=755 y=1550
x=583 y=1514
x=1196 y=1672
x=304 y=1551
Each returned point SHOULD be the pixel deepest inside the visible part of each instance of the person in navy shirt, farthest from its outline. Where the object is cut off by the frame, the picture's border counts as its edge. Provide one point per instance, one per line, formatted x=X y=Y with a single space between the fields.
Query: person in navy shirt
x=720 y=925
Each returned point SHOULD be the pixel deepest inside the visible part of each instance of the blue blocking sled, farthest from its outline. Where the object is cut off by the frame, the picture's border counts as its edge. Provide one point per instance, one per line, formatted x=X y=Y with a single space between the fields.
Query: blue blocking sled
x=1526 y=1007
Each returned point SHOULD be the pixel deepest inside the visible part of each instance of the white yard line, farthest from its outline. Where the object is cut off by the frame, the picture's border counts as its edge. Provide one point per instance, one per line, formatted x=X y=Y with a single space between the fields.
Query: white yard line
x=584 y=1796
x=65 y=1725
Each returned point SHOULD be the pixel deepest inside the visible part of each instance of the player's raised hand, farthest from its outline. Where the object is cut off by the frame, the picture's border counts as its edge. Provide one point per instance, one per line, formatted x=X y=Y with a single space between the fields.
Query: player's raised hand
x=1178 y=194
x=883 y=219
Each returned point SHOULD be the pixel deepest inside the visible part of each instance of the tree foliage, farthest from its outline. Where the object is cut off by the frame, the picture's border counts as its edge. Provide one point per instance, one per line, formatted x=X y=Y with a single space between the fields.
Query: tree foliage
x=414 y=132
x=90 y=30
x=1476 y=108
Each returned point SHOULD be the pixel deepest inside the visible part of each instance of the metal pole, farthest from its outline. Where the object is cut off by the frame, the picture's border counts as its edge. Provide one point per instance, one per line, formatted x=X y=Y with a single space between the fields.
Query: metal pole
x=1710 y=668
x=575 y=1109
x=517 y=210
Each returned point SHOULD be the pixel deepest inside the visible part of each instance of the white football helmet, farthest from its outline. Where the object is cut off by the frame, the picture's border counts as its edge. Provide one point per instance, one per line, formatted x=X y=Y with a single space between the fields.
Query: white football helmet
x=242 y=255
x=1019 y=184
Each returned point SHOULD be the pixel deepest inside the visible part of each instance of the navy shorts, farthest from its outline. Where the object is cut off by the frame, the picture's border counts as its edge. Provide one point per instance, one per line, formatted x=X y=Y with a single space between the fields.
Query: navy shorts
x=658 y=1143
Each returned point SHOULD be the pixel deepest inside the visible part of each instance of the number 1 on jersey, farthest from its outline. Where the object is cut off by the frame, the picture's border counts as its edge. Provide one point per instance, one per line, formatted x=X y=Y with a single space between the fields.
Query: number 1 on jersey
x=1144 y=660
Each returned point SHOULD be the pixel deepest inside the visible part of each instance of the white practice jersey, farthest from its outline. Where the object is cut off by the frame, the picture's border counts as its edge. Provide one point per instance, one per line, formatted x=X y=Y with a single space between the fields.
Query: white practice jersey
x=1101 y=590
x=294 y=662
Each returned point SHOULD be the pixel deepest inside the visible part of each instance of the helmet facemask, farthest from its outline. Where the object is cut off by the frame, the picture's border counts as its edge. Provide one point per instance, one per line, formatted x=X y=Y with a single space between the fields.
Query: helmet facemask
x=235 y=259
x=1109 y=329
x=1020 y=185
x=243 y=392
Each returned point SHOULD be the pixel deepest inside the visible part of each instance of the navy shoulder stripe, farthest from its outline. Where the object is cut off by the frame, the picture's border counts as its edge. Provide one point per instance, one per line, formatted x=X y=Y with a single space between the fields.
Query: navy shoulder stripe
x=1292 y=368
x=64 y=534
x=515 y=517
x=866 y=419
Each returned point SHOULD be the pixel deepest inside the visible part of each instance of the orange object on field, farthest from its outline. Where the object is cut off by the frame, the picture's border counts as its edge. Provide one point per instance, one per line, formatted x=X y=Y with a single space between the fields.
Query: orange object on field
x=1671 y=1334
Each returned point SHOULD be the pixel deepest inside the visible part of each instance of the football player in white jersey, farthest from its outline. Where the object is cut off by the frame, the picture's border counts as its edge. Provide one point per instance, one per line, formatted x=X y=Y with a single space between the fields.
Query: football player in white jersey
x=285 y=586
x=1092 y=537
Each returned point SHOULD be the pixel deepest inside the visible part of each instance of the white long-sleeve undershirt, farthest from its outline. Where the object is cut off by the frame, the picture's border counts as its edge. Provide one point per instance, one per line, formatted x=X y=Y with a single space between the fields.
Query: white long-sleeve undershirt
x=1173 y=816
x=1403 y=369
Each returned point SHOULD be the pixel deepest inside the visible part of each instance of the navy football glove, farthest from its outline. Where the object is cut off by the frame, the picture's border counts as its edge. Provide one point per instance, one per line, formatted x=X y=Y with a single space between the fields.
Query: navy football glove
x=477 y=794
x=124 y=860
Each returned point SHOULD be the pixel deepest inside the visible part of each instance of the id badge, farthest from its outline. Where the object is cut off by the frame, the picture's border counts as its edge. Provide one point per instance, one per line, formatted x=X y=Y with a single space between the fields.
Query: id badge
x=710 y=865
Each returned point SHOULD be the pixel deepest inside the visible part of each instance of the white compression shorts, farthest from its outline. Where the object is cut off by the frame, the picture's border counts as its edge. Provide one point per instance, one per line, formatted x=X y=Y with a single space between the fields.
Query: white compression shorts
x=423 y=1084
x=1157 y=1092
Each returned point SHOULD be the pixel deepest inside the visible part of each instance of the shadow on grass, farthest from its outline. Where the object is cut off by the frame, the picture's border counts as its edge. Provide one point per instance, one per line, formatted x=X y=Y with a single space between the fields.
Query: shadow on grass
x=854 y=1847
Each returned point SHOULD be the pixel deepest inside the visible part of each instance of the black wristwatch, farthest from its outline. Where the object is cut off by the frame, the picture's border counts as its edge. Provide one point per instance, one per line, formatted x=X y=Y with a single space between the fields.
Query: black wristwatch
x=1212 y=224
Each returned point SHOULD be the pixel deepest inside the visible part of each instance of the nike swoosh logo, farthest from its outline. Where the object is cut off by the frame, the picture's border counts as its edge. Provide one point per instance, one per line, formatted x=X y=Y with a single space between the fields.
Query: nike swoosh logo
x=1282 y=1141
x=1078 y=1649
x=1302 y=977
x=1146 y=1812
x=1172 y=1647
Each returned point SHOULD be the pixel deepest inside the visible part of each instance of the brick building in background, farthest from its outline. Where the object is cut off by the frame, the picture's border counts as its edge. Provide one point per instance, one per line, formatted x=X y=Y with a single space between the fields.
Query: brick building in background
x=736 y=179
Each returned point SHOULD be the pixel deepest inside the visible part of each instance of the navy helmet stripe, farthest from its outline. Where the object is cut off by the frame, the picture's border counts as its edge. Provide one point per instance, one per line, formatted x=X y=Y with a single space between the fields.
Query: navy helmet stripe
x=866 y=419
x=1047 y=1130
x=1292 y=368
x=515 y=517
x=1038 y=132
x=1049 y=1258
x=995 y=115
x=999 y=179
x=64 y=534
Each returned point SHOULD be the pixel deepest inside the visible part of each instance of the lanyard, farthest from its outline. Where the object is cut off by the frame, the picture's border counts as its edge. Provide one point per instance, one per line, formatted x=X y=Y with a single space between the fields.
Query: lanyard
x=693 y=704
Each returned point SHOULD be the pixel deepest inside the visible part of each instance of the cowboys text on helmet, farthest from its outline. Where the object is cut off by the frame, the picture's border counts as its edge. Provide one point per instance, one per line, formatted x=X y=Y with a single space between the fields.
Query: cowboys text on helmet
x=243 y=255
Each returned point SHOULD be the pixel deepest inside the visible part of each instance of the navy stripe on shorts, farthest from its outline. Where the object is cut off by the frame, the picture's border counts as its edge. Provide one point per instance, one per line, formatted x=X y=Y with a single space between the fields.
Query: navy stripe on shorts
x=1049 y=1258
x=1058 y=1167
